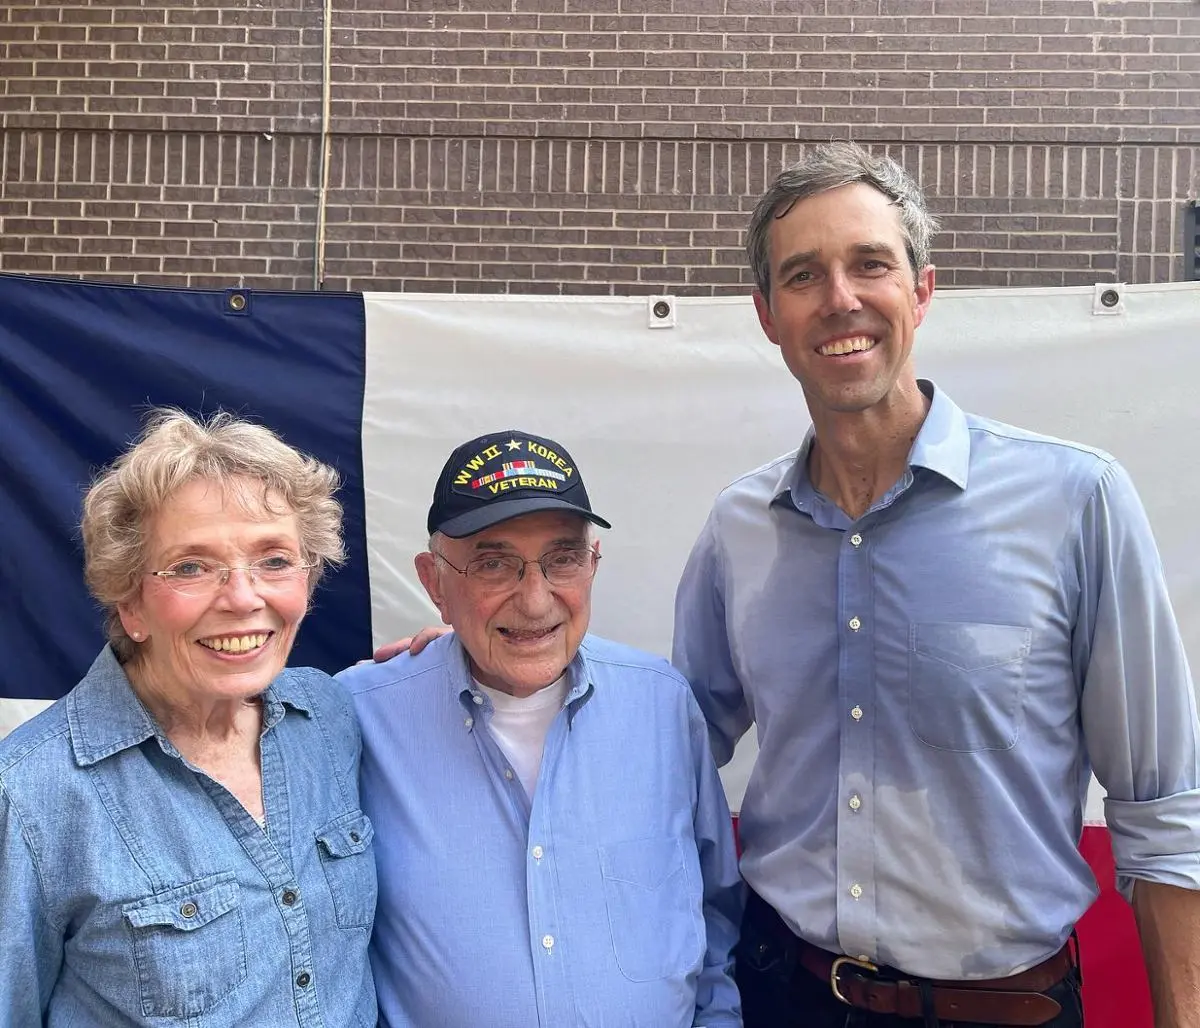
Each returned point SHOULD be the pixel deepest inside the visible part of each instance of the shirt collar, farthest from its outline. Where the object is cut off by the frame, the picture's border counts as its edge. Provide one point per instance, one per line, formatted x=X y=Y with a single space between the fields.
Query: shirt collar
x=943 y=446
x=579 y=680
x=105 y=716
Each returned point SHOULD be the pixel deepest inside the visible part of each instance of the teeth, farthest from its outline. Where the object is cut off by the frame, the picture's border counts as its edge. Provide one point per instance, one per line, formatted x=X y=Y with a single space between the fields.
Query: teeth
x=235 y=643
x=529 y=633
x=842 y=346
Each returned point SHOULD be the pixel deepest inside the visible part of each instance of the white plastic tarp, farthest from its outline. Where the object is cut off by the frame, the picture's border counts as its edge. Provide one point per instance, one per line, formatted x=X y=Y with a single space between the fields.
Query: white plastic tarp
x=660 y=419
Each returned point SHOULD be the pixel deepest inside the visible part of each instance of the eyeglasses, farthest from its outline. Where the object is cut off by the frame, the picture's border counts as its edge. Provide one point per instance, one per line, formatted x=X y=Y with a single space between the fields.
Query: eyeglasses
x=195 y=576
x=564 y=566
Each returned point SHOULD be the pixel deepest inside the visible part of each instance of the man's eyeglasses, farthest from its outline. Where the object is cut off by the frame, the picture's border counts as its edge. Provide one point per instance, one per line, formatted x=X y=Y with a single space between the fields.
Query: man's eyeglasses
x=563 y=566
x=195 y=576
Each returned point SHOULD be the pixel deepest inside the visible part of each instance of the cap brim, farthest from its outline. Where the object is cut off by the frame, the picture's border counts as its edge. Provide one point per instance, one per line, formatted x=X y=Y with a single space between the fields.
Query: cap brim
x=505 y=510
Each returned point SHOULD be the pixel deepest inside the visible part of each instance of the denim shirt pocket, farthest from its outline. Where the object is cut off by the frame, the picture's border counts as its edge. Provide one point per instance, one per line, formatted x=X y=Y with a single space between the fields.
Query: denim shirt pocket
x=966 y=684
x=189 y=945
x=344 y=846
x=654 y=912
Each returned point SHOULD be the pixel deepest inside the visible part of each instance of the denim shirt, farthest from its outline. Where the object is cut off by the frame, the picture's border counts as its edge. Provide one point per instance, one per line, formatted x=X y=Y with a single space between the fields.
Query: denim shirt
x=136 y=890
x=613 y=898
x=933 y=683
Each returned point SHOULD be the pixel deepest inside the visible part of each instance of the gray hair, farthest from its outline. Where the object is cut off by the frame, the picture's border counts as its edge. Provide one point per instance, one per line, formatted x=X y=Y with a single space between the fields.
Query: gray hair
x=173 y=450
x=830 y=166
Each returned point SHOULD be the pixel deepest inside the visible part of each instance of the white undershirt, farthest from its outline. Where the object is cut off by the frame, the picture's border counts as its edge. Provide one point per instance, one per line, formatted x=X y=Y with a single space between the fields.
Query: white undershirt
x=519 y=726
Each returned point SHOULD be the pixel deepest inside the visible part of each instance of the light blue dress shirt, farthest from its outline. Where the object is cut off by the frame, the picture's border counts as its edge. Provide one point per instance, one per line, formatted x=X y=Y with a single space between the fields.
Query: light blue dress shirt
x=932 y=684
x=136 y=890
x=612 y=900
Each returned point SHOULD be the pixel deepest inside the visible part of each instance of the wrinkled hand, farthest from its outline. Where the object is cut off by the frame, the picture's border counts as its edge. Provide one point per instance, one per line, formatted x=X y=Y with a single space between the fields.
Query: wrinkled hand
x=413 y=644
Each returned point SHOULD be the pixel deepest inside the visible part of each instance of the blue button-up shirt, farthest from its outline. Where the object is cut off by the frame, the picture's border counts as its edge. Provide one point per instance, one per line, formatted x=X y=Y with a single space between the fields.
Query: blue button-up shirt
x=929 y=682
x=612 y=899
x=136 y=890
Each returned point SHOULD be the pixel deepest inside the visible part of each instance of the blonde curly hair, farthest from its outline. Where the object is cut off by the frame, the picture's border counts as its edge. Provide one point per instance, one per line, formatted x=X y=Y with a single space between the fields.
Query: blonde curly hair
x=173 y=449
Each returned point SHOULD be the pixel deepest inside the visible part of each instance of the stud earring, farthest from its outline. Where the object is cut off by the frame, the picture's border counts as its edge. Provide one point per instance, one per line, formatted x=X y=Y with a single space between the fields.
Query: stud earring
x=136 y=636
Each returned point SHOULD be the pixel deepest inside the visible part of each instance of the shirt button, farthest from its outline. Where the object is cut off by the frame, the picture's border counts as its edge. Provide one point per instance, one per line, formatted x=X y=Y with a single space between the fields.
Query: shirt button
x=547 y=941
x=303 y=978
x=469 y=722
x=508 y=773
x=856 y=890
x=188 y=909
x=856 y=713
x=854 y=624
x=856 y=539
x=538 y=852
x=477 y=700
x=855 y=802
x=289 y=897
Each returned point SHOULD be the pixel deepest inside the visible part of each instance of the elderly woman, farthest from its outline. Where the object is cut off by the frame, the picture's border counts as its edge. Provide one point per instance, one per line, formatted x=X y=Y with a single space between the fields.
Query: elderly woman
x=180 y=836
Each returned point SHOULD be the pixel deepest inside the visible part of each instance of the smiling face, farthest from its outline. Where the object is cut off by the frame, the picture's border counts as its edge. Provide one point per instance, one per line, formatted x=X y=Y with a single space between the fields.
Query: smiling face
x=230 y=642
x=521 y=638
x=843 y=306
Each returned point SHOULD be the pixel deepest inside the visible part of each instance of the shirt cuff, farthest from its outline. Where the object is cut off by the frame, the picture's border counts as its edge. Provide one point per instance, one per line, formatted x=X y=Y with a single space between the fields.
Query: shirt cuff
x=1156 y=840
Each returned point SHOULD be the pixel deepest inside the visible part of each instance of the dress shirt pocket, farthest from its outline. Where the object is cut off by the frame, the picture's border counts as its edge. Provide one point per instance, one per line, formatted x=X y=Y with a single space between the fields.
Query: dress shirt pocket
x=653 y=913
x=349 y=865
x=966 y=684
x=189 y=945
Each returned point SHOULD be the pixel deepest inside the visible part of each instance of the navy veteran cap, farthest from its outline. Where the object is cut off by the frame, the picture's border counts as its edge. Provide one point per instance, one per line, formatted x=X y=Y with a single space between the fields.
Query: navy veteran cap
x=504 y=475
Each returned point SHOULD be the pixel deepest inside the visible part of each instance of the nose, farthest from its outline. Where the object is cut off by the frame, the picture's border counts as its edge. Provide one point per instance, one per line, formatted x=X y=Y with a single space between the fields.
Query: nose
x=239 y=591
x=839 y=296
x=534 y=594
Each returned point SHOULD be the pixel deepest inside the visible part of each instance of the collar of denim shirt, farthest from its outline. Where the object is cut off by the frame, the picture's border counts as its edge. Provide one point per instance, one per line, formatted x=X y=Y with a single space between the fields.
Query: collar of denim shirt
x=105 y=716
x=943 y=446
x=579 y=680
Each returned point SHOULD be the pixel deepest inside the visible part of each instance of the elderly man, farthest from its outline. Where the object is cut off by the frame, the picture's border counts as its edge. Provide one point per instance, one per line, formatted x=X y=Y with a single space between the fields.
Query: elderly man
x=940 y=624
x=554 y=846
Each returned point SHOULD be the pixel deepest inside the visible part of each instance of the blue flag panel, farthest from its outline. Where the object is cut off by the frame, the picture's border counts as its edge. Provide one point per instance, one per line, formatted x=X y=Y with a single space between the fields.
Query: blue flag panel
x=80 y=364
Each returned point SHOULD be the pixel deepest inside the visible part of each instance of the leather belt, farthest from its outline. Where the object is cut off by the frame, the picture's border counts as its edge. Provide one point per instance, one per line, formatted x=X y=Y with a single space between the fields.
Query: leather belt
x=1016 y=1000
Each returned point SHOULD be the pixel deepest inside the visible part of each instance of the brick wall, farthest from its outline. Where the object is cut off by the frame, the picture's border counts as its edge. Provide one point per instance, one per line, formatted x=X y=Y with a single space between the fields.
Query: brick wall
x=582 y=145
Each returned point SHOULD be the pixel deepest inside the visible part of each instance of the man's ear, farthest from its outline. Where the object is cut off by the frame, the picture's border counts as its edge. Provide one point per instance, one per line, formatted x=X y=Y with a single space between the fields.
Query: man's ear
x=923 y=293
x=427 y=572
x=762 y=306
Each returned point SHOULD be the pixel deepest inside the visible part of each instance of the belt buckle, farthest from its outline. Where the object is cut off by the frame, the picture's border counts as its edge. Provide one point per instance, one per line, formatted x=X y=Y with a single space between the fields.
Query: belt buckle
x=836 y=968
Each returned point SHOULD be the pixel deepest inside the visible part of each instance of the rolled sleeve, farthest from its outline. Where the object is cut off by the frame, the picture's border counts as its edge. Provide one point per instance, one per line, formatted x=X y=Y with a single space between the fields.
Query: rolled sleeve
x=701 y=646
x=1155 y=840
x=1138 y=706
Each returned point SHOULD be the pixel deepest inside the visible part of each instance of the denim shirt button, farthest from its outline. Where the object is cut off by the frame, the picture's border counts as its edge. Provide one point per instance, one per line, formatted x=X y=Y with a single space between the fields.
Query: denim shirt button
x=289 y=897
x=303 y=978
x=188 y=909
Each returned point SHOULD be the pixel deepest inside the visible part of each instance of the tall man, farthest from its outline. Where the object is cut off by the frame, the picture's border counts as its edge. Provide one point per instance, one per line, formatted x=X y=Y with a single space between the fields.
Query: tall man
x=554 y=845
x=940 y=624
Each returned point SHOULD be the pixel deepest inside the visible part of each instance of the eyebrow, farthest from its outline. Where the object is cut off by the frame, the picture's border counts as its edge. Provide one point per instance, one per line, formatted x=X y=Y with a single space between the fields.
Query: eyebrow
x=799 y=260
x=885 y=249
x=500 y=544
x=271 y=542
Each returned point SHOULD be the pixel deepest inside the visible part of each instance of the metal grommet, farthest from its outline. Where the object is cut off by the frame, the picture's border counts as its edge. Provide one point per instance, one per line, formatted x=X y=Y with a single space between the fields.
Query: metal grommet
x=237 y=301
x=1110 y=298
